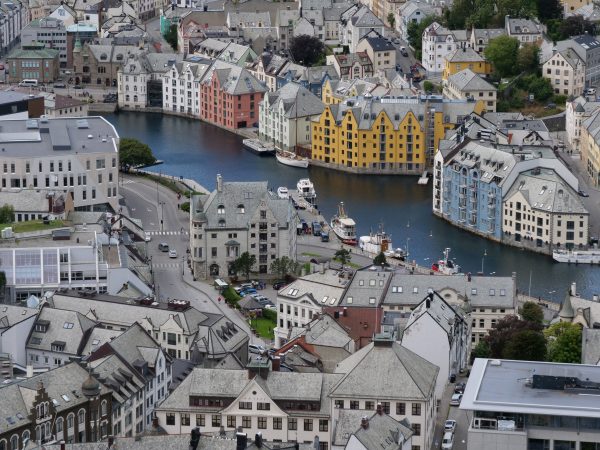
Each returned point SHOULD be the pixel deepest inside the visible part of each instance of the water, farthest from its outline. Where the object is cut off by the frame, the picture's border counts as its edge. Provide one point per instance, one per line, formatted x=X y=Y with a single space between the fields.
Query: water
x=193 y=149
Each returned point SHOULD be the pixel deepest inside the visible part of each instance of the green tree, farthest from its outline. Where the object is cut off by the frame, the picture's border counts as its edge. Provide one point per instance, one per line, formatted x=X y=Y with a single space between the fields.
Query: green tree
x=549 y=9
x=244 y=264
x=502 y=334
x=284 y=266
x=134 y=153
x=306 y=50
x=380 y=260
x=502 y=52
x=481 y=350
x=564 y=342
x=538 y=86
x=391 y=19
x=415 y=34
x=7 y=214
x=171 y=37
x=343 y=256
x=532 y=312
x=528 y=58
x=428 y=86
x=526 y=345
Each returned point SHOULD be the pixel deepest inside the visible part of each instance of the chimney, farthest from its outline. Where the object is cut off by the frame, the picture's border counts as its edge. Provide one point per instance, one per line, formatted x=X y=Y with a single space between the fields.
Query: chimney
x=242 y=441
x=219 y=183
x=29 y=372
x=276 y=364
x=251 y=374
x=364 y=422
x=469 y=277
x=62 y=445
x=345 y=312
x=379 y=409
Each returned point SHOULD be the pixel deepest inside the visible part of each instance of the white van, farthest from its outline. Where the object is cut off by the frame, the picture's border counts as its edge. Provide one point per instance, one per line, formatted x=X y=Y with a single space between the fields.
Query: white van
x=29 y=83
x=448 y=441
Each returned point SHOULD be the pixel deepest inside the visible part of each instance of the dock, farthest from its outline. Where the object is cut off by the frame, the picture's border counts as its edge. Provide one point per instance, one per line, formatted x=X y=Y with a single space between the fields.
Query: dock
x=424 y=178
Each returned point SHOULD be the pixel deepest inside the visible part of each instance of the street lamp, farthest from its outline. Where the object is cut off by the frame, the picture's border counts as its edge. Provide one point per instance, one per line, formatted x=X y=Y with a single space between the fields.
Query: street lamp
x=162 y=215
x=407 y=239
x=482 y=260
x=182 y=266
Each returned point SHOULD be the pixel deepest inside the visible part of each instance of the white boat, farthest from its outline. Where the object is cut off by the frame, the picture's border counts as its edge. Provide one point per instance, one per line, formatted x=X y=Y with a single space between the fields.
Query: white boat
x=577 y=256
x=259 y=147
x=291 y=159
x=306 y=190
x=282 y=192
x=377 y=242
x=446 y=266
x=396 y=254
x=343 y=226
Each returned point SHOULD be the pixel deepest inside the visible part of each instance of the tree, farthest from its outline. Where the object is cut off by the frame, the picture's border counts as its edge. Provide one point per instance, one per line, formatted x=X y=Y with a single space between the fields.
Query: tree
x=506 y=328
x=481 y=350
x=244 y=264
x=526 y=345
x=549 y=9
x=428 y=86
x=380 y=260
x=541 y=88
x=343 y=256
x=576 y=25
x=564 y=342
x=528 y=58
x=502 y=52
x=284 y=266
x=415 y=34
x=532 y=312
x=171 y=37
x=307 y=50
x=7 y=214
x=391 y=19
x=134 y=153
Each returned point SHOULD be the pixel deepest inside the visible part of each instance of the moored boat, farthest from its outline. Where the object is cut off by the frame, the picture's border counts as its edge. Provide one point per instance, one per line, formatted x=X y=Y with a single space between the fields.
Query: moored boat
x=577 y=256
x=343 y=226
x=259 y=147
x=306 y=190
x=282 y=192
x=446 y=265
x=377 y=242
x=291 y=159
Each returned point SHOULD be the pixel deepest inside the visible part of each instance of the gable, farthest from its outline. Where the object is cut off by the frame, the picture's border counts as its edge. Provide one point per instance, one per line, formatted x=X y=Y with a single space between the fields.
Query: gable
x=254 y=393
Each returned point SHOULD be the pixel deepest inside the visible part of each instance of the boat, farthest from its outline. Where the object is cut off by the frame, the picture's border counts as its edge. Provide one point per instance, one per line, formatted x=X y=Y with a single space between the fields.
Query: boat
x=577 y=256
x=424 y=178
x=291 y=159
x=397 y=253
x=306 y=191
x=258 y=147
x=377 y=242
x=343 y=226
x=446 y=266
x=282 y=192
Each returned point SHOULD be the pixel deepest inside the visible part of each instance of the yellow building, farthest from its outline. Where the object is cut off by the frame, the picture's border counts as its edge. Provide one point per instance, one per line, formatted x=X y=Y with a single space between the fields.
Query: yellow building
x=336 y=91
x=385 y=135
x=590 y=147
x=465 y=58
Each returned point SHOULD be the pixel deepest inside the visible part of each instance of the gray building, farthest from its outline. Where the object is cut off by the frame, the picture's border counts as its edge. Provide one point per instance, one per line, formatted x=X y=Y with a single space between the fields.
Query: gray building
x=48 y=31
x=587 y=48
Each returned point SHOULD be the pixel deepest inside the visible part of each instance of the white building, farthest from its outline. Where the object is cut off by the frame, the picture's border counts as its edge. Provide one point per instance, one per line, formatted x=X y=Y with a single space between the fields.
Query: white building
x=526 y=31
x=14 y=16
x=237 y=218
x=285 y=116
x=15 y=323
x=49 y=31
x=566 y=72
x=181 y=88
x=413 y=11
x=533 y=405
x=437 y=43
x=439 y=333
x=467 y=84
x=355 y=23
x=576 y=112
x=299 y=302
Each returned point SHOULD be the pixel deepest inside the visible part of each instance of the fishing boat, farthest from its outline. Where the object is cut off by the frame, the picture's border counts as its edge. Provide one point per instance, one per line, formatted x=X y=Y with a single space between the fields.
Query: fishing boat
x=446 y=265
x=577 y=256
x=258 y=147
x=282 y=192
x=376 y=242
x=306 y=191
x=343 y=226
x=291 y=159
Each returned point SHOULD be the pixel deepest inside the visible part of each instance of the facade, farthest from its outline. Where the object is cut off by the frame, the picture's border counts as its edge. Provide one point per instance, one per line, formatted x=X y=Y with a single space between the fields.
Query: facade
x=82 y=32
x=412 y=12
x=285 y=116
x=590 y=147
x=54 y=406
x=393 y=135
x=381 y=52
x=466 y=84
x=48 y=31
x=33 y=63
x=481 y=37
x=381 y=428
x=587 y=47
x=16 y=322
x=526 y=31
x=14 y=16
x=566 y=72
x=181 y=88
x=233 y=94
x=64 y=106
x=99 y=64
x=438 y=42
x=548 y=408
x=465 y=58
x=355 y=23
x=266 y=69
x=352 y=65
x=576 y=112
x=237 y=218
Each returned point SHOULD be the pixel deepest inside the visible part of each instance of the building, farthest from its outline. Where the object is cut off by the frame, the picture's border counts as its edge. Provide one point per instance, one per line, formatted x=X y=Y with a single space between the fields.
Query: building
x=355 y=23
x=574 y=5
x=181 y=88
x=528 y=404
x=526 y=31
x=439 y=333
x=285 y=116
x=234 y=95
x=229 y=52
x=381 y=428
x=64 y=106
x=65 y=404
x=576 y=112
x=587 y=47
x=237 y=218
x=465 y=58
x=583 y=312
x=412 y=12
x=15 y=322
x=437 y=43
x=381 y=52
x=481 y=37
x=267 y=68
x=400 y=150
x=304 y=299
x=590 y=346
x=20 y=105
x=48 y=31
x=590 y=148
x=467 y=84
x=33 y=63
x=566 y=72
x=312 y=78
x=82 y=32
x=14 y=17
x=99 y=63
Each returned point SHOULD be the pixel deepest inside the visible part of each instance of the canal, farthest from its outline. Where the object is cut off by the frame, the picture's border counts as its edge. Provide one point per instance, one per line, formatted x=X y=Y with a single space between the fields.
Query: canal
x=196 y=150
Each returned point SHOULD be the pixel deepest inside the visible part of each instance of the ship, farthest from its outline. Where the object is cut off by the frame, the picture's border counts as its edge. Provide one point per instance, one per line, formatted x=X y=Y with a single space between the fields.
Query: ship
x=306 y=191
x=291 y=159
x=343 y=226
x=376 y=242
x=446 y=265
x=258 y=147
x=577 y=256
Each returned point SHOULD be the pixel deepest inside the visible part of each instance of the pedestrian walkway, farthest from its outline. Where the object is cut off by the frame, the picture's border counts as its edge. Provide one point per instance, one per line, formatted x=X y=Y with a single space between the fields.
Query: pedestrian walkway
x=167 y=233
x=166 y=266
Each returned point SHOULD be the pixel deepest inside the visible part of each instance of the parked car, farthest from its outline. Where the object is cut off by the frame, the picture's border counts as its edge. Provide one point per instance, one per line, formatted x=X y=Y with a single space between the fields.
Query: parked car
x=60 y=85
x=147 y=237
x=448 y=441
x=456 y=399
x=459 y=388
x=324 y=236
x=590 y=91
x=449 y=426
x=78 y=86
x=316 y=228
x=583 y=193
x=278 y=285
x=172 y=253
x=403 y=51
x=163 y=247
x=255 y=348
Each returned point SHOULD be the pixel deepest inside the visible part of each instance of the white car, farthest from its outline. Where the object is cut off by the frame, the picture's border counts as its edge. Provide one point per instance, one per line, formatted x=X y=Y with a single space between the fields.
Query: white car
x=456 y=399
x=255 y=348
x=590 y=91
x=147 y=237
x=173 y=253
x=449 y=426
x=447 y=441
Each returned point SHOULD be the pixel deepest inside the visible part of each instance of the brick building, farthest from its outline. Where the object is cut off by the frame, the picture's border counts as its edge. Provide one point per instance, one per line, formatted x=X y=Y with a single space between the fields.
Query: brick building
x=33 y=62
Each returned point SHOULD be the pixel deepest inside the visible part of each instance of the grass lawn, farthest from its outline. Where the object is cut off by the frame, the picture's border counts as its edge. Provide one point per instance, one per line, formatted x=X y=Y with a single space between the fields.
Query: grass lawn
x=264 y=327
x=314 y=255
x=349 y=264
x=32 y=225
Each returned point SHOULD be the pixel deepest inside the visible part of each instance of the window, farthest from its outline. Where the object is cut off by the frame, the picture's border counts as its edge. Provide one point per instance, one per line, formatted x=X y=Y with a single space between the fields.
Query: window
x=216 y=420
x=339 y=404
x=354 y=404
x=71 y=419
x=170 y=418
x=323 y=425
x=246 y=421
x=200 y=420
x=262 y=423
x=263 y=406
x=401 y=408
x=59 y=425
x=308 y=424
x=417 y=429
x=369 y=405
x=231 y=422
x=386 y=407
x=292 y=424
x=416 y=409
x=185 y=419
x=277 y=423
x=245 y=405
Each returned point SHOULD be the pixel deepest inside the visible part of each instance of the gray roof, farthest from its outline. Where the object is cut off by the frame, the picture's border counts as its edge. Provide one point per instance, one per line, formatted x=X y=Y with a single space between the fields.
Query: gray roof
x=347 y=423
x=98 y=337
x=384 y=433
x=592 y=125
x=297 y=101
x=364 y=17
x=466 y=80
x=488 y=33
x=413 y=377
x=25 y=138
x=13 y=96
x=249 y=19
x=590 y=346
x=350 y=59
x=571 y=57
x=325 y=331
x=464 y=54
x=379 y=44
x=220 y=338
x=444 y=314
x=316 y=287
x=367 y=288
x=517 y=25
x=11 y=315
x=233 y=79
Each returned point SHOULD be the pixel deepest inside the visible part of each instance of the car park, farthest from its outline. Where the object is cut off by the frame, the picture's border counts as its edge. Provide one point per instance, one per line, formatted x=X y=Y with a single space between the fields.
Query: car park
x=456 y=399
x=172 y=253
x=449 y=426
x=448 y=441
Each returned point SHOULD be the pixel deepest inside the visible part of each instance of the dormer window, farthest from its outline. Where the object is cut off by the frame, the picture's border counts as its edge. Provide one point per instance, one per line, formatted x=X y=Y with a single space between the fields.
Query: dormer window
x=241 y=209
x=222 y=223
x=58 y=346
x=42 y=326
x=221 y=209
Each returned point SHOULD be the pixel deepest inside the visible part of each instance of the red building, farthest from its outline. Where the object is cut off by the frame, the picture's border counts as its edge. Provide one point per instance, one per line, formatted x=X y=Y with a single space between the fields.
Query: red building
x=229 y=96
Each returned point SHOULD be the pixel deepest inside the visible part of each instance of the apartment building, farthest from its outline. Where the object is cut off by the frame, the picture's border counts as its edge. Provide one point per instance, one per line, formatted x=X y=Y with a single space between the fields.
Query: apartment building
x=530 y=404
x=413 y=11
x=48 y=31
x=576 y=112
x=587 y=48
x=15 y=322
x=355 y=23
x=465 y=58
x=481 y=37
x=267 y=68
x=381 y=52
x=181 y=88
x=437 y=43
x=467 y=84
x=375 y=135
x=14 y=16
x=566 y=72
x=590 y=148
x=301 y=301
x=285 y=116
x=525 y=30
x=79 y=155
x=33 y=62
x=352 y=65
x=237 y=218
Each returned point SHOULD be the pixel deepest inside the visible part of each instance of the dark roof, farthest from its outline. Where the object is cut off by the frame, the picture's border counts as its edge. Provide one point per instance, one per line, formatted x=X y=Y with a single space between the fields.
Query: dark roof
x=379 y=44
